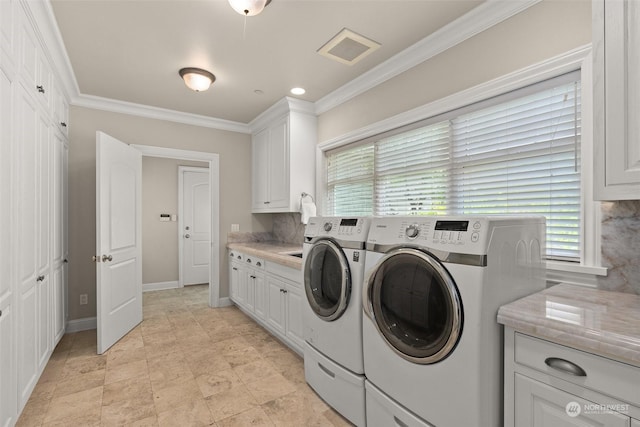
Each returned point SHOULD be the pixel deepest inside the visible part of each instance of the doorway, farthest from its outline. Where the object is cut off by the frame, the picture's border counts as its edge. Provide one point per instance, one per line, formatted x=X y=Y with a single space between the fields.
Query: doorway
x=212 y=160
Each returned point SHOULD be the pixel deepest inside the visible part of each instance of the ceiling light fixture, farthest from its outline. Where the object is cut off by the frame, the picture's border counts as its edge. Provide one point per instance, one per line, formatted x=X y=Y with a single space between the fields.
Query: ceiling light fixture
x=249 y=7
x=196 y=78
x=298 y=91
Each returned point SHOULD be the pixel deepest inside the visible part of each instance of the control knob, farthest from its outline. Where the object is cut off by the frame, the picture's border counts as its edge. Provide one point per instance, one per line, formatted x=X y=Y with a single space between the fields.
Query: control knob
x=328 y=226
x=412 y=231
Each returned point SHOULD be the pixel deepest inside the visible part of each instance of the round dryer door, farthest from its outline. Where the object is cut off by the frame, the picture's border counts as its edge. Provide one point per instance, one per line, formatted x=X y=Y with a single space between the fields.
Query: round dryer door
x=415 y=305
x=327 y=280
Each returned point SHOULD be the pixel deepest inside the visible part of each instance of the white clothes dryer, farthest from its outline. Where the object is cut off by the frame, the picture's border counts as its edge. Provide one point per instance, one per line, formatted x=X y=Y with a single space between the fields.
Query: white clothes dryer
x=333 y=259
x=432 y=289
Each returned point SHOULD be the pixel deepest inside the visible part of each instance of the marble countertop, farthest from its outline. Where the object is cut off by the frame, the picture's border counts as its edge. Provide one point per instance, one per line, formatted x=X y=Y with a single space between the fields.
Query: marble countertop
x=271 y=251
x=596 y=321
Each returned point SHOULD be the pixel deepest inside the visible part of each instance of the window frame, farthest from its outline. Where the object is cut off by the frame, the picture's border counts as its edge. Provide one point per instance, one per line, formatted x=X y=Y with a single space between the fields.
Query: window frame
x=580 y=59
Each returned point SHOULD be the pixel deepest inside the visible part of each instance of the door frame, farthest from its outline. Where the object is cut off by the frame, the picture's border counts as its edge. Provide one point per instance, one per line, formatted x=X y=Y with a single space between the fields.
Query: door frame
x=181 y=170
x=214 y=198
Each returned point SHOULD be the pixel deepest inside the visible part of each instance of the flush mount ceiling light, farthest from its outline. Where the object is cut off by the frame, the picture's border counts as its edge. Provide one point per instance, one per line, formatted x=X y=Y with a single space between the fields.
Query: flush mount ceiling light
x=196 y=78
x=298 y=91
x=249 y=7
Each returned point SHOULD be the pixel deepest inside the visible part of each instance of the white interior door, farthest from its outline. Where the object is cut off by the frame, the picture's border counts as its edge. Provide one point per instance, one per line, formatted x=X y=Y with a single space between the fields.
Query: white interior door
x=118 y=240
x=195 y=226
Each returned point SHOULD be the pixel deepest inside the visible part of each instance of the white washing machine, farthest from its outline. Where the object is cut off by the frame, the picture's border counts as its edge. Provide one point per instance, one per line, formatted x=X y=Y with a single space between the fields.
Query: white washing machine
x=333 y=260
x=432 y=289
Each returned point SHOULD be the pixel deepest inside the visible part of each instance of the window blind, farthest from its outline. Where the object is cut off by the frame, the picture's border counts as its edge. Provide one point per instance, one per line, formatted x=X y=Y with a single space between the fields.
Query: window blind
x=515 y=154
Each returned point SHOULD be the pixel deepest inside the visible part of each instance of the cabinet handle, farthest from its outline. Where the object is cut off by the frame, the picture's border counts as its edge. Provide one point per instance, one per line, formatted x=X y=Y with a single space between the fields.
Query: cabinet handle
x=259 y=264
x=40 y=279
x=235 y=268
x=565 y=366
x=249 y=260
x=266 y=203
x=66 y=261
x=63 y=124
x=253 y=277
x=239 y=257
x=40 y=89
x=326 y=371
x=284 y=291
x=0 y=313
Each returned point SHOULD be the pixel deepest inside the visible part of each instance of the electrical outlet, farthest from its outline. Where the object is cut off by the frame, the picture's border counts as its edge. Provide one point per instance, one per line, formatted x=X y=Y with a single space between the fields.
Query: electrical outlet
x=235 y=227
x=84 y=299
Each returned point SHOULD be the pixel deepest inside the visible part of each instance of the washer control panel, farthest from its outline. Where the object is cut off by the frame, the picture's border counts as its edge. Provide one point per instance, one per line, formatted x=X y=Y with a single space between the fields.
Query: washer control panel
x=353 y=229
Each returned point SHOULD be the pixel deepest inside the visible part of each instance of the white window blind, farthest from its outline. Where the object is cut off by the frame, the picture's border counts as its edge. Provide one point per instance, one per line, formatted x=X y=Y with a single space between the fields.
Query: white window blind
x=515 y=154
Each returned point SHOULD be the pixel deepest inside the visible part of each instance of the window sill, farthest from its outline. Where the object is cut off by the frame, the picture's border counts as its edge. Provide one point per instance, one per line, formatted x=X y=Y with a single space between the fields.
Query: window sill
x=569 y=267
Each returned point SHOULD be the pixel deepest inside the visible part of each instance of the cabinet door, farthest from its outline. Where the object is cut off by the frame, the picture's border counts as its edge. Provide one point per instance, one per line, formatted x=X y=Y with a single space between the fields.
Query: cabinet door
x=635 y=423
x=57 y=304
x=8 y=408
x=234 y=278
x=242 y=285
x=294 y=315
x=540 y=405
x=275 y=313
x=260 y=306
x=279 y=165
x=616 y=39
x=260 y=170
x=251 y=290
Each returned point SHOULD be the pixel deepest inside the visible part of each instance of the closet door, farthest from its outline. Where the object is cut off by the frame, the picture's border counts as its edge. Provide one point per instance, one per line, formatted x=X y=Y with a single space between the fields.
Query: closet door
x=8 y=409
x=26 y=243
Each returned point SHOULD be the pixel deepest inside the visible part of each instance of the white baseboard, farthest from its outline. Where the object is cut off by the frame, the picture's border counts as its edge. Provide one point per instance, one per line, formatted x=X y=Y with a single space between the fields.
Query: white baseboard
x=78 y=325
x=160 y=286
x=224 y=302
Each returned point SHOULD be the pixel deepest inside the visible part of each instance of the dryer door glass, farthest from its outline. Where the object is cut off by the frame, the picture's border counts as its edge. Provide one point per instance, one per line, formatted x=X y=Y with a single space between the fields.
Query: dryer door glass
x=416 y=305
x=327 y=280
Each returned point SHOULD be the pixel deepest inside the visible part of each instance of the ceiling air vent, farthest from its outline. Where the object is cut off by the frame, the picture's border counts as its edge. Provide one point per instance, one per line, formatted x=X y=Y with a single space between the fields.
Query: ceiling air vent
x=348 y=47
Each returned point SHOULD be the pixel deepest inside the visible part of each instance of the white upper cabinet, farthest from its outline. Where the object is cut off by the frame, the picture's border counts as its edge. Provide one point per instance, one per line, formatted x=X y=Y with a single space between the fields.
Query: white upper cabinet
x=283 y=156
x=616 y=44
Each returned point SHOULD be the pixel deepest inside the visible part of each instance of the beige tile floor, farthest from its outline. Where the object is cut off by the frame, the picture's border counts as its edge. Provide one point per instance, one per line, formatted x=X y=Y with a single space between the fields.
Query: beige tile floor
x=185 y=365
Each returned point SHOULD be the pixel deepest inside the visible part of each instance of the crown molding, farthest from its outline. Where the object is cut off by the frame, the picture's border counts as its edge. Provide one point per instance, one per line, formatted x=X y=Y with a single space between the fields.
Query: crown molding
x=123 y=107
x=279 y=109
x=475 y=21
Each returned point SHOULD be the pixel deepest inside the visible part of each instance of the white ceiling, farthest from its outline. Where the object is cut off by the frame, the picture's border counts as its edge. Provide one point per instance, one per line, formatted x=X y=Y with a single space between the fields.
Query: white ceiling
x=131 y=50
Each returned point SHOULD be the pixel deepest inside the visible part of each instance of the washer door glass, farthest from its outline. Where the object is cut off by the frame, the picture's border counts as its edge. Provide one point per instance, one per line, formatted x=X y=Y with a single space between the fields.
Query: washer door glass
x=327 y=280
x=416 y=305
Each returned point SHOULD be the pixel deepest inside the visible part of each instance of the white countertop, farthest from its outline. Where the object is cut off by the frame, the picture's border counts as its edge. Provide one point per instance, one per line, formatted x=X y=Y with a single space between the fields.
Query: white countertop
x=600 y=322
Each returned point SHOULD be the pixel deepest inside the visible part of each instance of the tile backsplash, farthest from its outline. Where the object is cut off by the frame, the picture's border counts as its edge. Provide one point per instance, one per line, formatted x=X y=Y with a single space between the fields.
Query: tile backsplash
x=621 y=246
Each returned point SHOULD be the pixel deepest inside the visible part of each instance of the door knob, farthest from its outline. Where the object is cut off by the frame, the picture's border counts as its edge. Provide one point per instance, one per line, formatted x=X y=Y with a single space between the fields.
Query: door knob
x=106 y=258
x=186 y=236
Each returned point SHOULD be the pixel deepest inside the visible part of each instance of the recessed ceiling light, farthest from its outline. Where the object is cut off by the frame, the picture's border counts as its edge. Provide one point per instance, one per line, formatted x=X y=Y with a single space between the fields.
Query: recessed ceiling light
x=298 y=91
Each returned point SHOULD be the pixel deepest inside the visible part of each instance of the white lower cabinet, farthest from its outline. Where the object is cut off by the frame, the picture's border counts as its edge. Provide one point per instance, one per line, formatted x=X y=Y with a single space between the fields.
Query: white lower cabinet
x=541 y=405
x=552 y=385
x=270 y=293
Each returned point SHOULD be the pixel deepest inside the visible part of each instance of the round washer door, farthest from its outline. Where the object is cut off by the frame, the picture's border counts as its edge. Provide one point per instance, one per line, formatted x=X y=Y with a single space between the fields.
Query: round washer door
x=415 y=305
x=327 y=280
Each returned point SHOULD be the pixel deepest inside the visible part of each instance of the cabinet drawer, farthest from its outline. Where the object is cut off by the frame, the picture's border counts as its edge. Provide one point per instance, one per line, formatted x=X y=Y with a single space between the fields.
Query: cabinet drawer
x=236 y=256
x=283 y=271
x=254 y=262
x=606 y=376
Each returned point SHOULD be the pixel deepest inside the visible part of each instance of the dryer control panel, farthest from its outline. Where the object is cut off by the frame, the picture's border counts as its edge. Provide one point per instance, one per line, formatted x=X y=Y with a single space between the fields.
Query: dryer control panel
x=450 y=234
